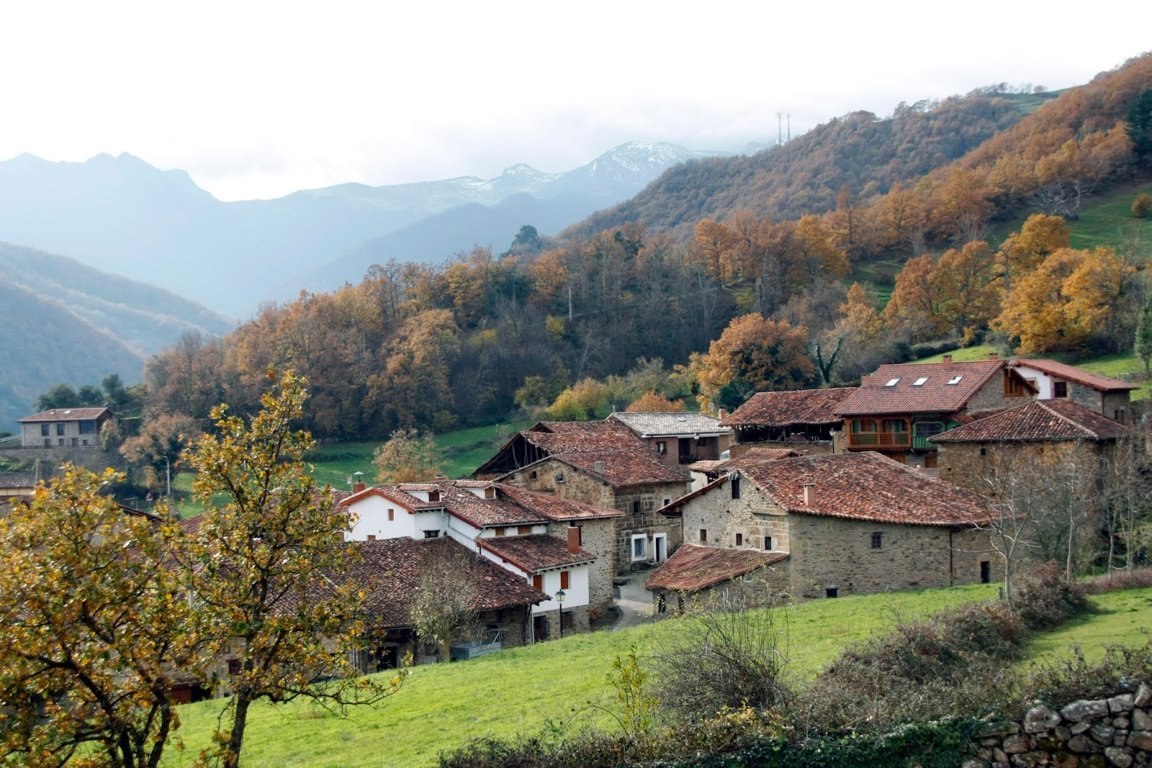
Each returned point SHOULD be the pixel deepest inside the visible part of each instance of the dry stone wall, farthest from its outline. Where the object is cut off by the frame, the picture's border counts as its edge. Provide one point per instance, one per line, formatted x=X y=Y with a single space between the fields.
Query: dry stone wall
x=1114 y=732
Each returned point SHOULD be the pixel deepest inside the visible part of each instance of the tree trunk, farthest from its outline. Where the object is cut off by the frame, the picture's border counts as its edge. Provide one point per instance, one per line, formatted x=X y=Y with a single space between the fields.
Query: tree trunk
x=236 y=736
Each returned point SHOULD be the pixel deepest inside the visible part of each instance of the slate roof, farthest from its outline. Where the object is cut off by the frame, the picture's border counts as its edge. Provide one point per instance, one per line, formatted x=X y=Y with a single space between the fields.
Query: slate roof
x=66 y=414
x=944 y=388
x=607 y=450
x=1078 y=375
x=389 y=573
x=781 y=409
x=17 y=479
x=535 y=553
x=865 y=486
x=651 y=424
x=693 y=567
x=1037 y=420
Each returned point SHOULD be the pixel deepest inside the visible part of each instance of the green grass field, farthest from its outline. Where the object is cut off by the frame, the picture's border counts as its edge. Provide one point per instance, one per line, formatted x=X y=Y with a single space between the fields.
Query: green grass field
x=563 y=684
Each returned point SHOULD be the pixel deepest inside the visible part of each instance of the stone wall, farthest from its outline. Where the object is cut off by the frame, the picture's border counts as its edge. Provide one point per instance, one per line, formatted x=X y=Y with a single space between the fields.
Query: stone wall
x=971 y=465
x=599 y=538
x=1115 y=731
x=752 y=518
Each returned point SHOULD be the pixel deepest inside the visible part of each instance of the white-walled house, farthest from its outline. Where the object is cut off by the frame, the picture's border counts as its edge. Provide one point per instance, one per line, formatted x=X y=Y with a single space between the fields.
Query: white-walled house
x=553 y=544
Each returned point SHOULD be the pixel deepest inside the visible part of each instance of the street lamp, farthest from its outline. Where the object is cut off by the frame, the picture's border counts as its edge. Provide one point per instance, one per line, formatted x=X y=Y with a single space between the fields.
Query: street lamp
x=560 y=601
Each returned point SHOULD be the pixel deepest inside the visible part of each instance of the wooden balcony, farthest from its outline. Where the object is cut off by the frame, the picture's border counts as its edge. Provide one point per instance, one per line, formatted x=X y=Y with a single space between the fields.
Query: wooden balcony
x=874 y=440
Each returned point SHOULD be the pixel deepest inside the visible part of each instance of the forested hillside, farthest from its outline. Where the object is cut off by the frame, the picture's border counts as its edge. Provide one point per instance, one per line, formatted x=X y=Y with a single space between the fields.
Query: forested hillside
x=468 y=342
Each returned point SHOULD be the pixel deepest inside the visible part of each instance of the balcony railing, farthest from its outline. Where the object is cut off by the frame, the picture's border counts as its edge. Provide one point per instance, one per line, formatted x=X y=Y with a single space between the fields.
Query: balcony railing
x=879 y=439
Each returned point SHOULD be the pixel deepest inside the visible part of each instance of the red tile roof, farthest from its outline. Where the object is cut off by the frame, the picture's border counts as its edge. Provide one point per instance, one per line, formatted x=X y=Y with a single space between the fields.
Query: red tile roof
x=866 y=486
x=693 y=567
x=535 y=553
x=555 y=508
x=1037 y=420
x=394 y=493
x=67 y=414
x=756 y=454
x=943 y=388
x=1078 y=375
x=781 y=409
x=389 y=573
x=607 y=450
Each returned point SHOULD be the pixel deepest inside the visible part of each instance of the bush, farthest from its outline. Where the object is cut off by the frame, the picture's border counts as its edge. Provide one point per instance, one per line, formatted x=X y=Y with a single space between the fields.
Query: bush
x=1118 y=580
x=724 y=655
x=1045 y=599
x=1142 y=206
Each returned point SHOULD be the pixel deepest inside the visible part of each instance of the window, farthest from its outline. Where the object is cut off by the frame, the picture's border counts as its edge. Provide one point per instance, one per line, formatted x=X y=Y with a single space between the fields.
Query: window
x=499 y=531
x=371 y=537
x=893 y=382
x=391 y=514
x=559 y=477
x=538 y=581
x=639 y=547
x=983 y=451
x=735 y=486
x=955 y=380
x=767 y=543
x=920 y=381
x=75 y=441
x=44 y=430
x=739 y=539
x=532 y=475
x=564 y=580
x=928 y=428
x=636 y=507
x=434 y=534
x=1118 y=415
x=703 y=534
x=59 y=429
x=877 y=540
x=433 y=495
x=88 y=427
x=1059 y=389
x=661 y=447
x=523 y=530
x=1014 y=386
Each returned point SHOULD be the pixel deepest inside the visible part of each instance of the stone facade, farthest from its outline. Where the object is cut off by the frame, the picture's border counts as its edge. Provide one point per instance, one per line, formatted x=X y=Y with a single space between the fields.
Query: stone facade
x=599 y=538
x=835 y=556
x=971 y=465
x=638 y=503
x=1115 y=731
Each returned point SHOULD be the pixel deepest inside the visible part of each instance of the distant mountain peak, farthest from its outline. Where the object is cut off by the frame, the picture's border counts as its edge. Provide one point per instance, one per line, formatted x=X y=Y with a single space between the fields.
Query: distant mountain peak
x=521 y=169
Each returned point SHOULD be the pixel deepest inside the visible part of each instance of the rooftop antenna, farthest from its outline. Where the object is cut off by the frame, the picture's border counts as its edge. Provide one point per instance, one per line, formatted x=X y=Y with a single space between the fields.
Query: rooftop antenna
x=779 y=128
x=789 y=127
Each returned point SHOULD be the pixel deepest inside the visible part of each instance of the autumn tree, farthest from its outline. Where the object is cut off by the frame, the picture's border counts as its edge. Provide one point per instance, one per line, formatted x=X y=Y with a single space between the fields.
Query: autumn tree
x=407 y=457
x=1040 y=236
x=915 y=306
x=754 y=354
x=259 y=564
x=159 y=445
x=654 y=402
x=1071 y=297
x=968 y=288
x=581 y=401
x=96 y=632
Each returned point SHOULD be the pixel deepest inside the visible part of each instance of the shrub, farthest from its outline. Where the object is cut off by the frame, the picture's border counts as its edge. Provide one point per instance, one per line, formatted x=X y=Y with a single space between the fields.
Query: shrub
x=1142 y=206
x=1118 y=580
x=1045 y=599
x=723 y=656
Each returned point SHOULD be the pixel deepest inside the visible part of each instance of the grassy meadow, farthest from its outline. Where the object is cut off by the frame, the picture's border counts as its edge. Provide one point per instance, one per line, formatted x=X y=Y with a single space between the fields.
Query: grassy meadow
x=562 y=685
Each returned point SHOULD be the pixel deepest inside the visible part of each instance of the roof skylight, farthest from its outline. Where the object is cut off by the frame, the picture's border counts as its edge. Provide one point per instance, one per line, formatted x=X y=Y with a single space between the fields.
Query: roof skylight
x=893 y=382
x=920 y=381
x=955 y=379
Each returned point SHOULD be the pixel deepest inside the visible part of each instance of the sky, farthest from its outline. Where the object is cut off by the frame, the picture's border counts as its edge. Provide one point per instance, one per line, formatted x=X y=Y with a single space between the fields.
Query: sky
x=257 y=99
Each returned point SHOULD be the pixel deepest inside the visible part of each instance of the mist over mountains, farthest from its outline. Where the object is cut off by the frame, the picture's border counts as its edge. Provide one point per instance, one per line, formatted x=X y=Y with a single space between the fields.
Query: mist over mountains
x=121 y=215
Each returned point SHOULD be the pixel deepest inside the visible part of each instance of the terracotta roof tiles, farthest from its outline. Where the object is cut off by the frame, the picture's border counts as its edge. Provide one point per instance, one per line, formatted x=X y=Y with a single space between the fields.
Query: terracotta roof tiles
x=66 y=414
x=919 y=388
x=781 y=409
x=1037 y=420
x=535 y=553
x=693 y=567
x=1079 y=375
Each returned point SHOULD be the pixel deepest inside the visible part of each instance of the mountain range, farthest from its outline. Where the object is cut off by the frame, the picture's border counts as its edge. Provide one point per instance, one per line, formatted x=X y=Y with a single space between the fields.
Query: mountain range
x=121 y=215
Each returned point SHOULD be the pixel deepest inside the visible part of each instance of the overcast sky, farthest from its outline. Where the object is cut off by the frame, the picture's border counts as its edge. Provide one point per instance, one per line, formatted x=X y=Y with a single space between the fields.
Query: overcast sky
x=258 y=99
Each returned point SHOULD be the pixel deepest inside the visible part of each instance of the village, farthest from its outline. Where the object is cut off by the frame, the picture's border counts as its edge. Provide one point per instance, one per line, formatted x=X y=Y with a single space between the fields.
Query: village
x=905 y=482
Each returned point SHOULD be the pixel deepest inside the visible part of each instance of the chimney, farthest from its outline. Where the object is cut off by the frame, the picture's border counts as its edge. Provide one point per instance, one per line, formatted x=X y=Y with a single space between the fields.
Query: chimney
x=947 y=359
x=357 y=487
x=574 y=539
x=808 y=494
x=993 y=356
x=598 y=467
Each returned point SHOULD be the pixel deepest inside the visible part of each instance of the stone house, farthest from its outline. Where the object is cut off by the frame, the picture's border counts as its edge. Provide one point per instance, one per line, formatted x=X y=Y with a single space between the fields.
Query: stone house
x=604 y=464
x=899 y=407
x=64 y=427
x=1057 y=433
x=804 y=419
x=678 y=438
x=554 y=544
x=856 y=522
x=1059 y=381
